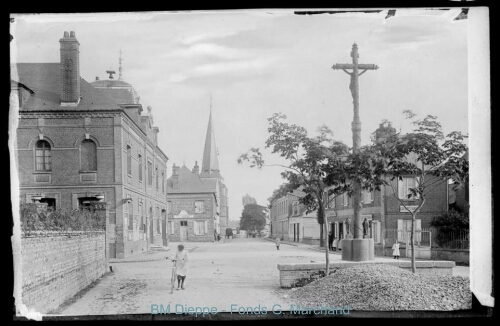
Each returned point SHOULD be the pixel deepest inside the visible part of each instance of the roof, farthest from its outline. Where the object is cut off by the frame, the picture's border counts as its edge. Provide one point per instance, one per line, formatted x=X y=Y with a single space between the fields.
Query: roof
x=44 y=79
x=190 y=182
x=110 y=83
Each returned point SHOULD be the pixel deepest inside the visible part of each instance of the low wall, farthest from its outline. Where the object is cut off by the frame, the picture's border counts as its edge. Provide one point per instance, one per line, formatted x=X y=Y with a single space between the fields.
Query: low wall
x=456 y=255
x=56 y=267
x=296 y=275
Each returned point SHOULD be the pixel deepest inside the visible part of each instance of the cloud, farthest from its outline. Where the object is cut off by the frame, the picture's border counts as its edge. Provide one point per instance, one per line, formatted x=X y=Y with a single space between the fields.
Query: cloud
x=208 y=49
x=250 y=67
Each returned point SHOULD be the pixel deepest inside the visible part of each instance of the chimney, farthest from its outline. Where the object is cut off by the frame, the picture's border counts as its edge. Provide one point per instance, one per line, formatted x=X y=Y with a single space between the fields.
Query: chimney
x=97 y=78
x=175 y=176
x=196 y=169
x=384 y=131
x=70 y=70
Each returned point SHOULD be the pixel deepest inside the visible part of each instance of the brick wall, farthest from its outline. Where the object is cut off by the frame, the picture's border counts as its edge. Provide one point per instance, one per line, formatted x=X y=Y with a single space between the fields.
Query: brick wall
x=55 y=268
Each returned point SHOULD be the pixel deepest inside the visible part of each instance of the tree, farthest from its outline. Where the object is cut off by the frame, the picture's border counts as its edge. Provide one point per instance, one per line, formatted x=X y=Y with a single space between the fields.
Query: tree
x=317 y=165
x=425 y=158
x=253 y=218
x=452 y=221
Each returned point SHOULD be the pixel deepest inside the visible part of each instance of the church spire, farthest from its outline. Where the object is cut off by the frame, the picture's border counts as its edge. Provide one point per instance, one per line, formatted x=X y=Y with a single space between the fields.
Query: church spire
x=210 y=162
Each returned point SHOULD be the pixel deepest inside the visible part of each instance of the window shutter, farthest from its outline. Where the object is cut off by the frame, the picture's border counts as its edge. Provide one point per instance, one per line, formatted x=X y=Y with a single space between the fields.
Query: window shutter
x=400 y=230
x=401 y=193
x=206 y=227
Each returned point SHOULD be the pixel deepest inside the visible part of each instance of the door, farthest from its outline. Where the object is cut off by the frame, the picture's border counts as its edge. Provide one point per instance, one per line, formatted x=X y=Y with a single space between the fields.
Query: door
x=298 y=232
x=183 y=231
x=294 y=232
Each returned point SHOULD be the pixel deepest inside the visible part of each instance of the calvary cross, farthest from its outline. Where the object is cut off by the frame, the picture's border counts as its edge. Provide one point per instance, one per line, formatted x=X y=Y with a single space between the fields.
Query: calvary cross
x=354 y=87
x=355 y=126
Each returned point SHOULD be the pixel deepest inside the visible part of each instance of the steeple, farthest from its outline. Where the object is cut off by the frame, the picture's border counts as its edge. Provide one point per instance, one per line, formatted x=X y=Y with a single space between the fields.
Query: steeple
x=210 y=162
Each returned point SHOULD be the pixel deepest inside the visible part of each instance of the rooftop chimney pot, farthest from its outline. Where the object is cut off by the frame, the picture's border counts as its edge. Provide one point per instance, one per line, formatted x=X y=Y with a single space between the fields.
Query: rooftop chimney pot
x=72 y=34
x=66 y=35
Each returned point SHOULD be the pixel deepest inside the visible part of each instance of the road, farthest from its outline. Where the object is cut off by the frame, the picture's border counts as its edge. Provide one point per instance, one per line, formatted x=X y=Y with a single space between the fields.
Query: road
x=235 y=274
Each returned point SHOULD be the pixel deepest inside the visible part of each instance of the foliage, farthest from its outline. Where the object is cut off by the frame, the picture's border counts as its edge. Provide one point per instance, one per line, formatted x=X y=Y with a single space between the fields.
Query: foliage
x=449 y=222
x=61 y=220
x=253 y=218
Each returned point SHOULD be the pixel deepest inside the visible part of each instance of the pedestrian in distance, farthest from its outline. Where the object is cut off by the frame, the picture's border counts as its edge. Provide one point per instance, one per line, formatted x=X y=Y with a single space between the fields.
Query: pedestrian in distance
x=330 y=241
x=395 y=250
x=278 y=243
x=182 y=259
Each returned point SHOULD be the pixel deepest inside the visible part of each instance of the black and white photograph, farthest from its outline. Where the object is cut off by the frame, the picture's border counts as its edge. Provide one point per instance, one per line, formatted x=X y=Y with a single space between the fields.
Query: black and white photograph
x=251 y=164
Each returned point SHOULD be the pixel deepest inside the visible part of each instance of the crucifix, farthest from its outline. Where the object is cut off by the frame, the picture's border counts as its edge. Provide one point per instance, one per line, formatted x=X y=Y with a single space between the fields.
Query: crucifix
x=356 y=125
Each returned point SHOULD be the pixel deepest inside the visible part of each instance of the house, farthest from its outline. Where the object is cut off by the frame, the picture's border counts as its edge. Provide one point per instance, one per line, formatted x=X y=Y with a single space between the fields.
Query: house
x=193 y=205
x=82 y=145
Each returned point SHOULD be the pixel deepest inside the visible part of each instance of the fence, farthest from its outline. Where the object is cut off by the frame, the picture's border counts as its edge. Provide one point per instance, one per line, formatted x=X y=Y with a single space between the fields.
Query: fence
x=458 y=239
x=431 y=237
x=422 y=237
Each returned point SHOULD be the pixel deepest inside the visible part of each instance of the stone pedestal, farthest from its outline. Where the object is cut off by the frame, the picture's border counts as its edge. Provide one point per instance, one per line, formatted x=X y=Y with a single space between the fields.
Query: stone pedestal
x=358 y=249
x=366 y=236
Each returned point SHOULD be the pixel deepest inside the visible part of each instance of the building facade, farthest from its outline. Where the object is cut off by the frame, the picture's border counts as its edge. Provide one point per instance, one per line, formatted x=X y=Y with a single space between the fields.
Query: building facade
x=78 y=143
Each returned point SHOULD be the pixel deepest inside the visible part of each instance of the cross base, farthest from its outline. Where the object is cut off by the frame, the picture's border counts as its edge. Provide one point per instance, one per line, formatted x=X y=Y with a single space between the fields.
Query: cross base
x=358 y=249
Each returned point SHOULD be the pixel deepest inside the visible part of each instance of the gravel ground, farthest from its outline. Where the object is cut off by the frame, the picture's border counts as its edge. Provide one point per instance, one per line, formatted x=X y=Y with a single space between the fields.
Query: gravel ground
x=384 y=288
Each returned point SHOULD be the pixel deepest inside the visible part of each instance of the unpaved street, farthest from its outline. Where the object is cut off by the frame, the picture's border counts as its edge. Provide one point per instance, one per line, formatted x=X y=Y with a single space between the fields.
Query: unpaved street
x=241 y=272
x=238 y=272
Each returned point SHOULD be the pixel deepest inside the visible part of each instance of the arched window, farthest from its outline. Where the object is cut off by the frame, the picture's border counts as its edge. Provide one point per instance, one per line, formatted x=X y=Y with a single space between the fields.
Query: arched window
x=88 y=155
x=129 y=160
x=42 y=156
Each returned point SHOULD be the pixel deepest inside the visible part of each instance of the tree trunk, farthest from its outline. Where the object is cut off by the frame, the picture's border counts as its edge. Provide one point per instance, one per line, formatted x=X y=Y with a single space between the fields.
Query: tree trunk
x=321 y=240
x=413 y=268
x=327 y=252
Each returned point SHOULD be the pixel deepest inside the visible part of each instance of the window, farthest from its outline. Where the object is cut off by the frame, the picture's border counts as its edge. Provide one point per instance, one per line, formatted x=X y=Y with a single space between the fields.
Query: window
x=88 y=155
x=200 y=227
x=42 y=156
x=141 y=227
x=199 y=206
x=140 y=167
x=367 y=196
x=158 y=226
x=184 y=223
x=156 y=175
x=150 y=173
x=404 y=230
x=345 y=199
x=51 y=202
x=405 y=185
x=295 y=208
x=331 y=201
x=129 y=160
x=162 y=181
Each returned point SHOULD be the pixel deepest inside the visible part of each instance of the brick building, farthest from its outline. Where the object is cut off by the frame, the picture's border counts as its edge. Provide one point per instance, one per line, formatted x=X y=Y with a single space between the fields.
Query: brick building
x=383 y=211
x=197 y=200
x=79 y=143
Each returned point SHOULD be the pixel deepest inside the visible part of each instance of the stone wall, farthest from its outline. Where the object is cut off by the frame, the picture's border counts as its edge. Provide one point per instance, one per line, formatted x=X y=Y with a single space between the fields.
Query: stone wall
x=296 y=275
x=56 y=267
x=456 y=255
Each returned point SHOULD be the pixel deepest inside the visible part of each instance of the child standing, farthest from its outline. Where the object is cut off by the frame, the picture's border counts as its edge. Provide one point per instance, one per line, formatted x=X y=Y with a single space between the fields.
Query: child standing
x=278 y=243
x=182 y=259
x=395 y=250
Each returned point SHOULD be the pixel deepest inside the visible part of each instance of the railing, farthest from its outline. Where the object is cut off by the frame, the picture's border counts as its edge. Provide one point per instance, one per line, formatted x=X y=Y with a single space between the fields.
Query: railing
x=427 y=237
x=458 y=239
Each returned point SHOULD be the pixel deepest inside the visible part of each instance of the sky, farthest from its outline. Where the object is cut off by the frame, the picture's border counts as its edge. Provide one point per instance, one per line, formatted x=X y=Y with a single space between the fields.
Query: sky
x=249 y=64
